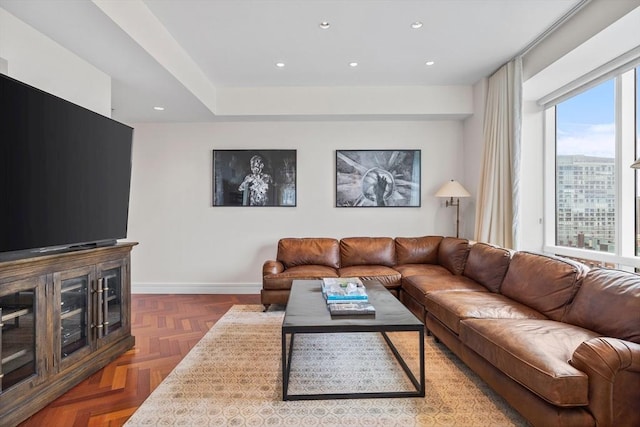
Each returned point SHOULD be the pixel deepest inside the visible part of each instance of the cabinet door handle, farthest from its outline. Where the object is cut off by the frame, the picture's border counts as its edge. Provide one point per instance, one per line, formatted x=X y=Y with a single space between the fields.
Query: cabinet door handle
x=1 y=325
x=105 y=306
x=99 y=312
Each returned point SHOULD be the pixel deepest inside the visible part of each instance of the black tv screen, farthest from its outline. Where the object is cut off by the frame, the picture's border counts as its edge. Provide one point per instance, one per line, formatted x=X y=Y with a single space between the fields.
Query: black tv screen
x=65 y=172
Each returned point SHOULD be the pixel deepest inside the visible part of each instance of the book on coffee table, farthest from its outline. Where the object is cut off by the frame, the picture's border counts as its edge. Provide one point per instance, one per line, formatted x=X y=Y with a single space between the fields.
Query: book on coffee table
x=352 y=309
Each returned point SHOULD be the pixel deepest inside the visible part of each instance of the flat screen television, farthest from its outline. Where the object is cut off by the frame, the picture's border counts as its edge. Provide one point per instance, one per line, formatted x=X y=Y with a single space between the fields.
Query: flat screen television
x=65 y=173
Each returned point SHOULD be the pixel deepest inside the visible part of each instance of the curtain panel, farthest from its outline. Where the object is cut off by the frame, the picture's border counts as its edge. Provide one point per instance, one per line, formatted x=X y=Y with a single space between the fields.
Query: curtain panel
x=497 y=212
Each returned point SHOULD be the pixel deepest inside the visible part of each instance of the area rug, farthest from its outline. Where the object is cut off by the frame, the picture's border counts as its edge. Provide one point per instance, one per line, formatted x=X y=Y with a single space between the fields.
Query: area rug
x=232 y=377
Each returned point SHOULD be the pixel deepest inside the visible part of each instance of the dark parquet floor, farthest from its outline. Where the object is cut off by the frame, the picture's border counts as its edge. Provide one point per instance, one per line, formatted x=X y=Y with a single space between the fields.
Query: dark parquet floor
x=166 y=327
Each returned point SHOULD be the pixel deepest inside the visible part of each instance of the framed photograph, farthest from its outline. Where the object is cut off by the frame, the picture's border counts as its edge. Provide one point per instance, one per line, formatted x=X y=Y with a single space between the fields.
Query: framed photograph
x=254 y=177
x=378 y=178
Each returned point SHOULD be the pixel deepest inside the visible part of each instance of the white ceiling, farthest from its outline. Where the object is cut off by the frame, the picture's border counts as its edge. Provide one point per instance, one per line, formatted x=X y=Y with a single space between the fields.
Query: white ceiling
x=172 y=52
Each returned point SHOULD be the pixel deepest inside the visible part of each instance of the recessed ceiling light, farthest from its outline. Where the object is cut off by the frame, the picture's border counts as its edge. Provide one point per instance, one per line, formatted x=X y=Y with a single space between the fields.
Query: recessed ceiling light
x=416 y=25
x=430 y=63
x=353 y=64
x=158 y=108
x=324 y=25
x=280 y=64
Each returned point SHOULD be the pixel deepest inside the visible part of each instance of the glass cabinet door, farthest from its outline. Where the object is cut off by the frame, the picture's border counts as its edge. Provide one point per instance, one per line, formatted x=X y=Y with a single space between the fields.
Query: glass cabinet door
x=19 y=316
x=110 y=307
x=111 y=282
x=72 y=327
x=73 y=315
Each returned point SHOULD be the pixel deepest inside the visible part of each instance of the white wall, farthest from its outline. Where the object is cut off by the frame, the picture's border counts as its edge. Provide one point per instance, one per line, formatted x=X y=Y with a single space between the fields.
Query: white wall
x=186 y=245
x=436 y=102
x=35 y=59
x=472 y=158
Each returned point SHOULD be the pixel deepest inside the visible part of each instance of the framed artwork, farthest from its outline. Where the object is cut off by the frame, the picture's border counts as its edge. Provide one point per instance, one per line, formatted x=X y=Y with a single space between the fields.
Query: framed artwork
x=378 y=178
x=254 y=177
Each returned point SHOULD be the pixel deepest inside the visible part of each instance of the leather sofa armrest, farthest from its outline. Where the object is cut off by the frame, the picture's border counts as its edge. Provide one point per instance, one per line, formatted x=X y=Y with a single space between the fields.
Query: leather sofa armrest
x=272 y=267
x=613 y=367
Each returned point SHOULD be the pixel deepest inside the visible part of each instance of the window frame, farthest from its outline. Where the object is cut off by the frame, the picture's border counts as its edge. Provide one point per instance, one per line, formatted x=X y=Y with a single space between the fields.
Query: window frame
x=624 y=256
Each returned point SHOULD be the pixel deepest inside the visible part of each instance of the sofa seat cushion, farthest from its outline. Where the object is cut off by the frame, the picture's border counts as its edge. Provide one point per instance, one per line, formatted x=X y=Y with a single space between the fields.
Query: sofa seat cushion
x=534 y=353
x=453 y=307
x=408 y=270
x=437 y=280
x=389 y=277
x=283 y=280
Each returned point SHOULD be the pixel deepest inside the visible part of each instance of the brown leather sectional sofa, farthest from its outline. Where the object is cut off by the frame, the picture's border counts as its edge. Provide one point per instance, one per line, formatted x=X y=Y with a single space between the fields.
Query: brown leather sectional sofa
x=559 y=341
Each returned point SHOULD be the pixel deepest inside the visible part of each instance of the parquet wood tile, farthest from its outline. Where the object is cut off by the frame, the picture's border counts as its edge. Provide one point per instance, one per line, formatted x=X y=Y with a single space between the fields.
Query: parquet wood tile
x=166 y=327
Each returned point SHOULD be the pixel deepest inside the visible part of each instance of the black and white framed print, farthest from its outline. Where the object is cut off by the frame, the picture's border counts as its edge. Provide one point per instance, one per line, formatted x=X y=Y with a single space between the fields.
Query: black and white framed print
x=254 y=177
x=377 y=178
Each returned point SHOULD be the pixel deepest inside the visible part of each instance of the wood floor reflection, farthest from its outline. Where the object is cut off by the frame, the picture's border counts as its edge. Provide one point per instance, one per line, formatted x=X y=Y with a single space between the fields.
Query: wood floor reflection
x=166 y=327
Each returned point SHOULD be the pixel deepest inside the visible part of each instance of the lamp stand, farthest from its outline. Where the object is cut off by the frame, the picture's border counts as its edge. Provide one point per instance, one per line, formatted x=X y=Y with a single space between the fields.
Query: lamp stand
x=457 y=205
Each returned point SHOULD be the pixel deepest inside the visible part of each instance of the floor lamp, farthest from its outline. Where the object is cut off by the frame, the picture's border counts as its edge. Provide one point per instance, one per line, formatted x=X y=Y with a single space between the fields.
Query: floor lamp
x=453 y=189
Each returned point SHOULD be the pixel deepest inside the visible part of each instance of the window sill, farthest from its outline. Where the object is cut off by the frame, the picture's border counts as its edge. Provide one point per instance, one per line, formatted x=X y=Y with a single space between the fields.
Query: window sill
x=622 y=262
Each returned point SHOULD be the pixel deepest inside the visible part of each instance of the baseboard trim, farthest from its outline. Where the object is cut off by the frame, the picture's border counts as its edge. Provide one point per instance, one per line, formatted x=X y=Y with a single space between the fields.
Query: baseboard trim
x=195 y=288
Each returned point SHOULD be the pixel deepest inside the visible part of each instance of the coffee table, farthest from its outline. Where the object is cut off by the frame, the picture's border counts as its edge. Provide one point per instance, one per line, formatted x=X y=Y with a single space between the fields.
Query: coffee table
x=307 y=313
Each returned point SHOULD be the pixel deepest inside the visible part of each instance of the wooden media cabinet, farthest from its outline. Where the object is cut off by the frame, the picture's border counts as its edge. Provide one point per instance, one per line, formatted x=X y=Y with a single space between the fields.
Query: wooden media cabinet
x=63 y=316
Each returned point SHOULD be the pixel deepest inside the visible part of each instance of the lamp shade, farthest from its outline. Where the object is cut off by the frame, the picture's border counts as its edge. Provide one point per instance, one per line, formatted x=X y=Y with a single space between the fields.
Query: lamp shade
x=636 y=164
x=452 y=189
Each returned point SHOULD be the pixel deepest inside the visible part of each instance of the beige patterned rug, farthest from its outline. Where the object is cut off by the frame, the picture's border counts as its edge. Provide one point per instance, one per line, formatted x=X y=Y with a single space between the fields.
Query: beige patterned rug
x=232 y=377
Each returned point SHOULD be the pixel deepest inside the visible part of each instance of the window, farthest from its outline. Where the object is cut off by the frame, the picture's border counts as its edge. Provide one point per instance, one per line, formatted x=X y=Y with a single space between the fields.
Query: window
x=585 y=164
x=593 y=136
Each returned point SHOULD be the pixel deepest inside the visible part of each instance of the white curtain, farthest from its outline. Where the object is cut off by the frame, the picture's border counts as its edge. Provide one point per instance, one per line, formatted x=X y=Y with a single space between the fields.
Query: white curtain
x=497 y=209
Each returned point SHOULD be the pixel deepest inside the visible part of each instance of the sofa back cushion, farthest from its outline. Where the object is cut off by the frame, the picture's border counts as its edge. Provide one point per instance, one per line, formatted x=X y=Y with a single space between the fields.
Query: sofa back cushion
x=543 y=282
x=487 y=265
x=367 y=251
x=608 y=303
x=452 y=254
x=309 y=250
x=417 y=250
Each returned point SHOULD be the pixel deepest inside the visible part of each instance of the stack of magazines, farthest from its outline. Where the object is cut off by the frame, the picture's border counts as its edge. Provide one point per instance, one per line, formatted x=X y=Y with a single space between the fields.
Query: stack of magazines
x=347 y=296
